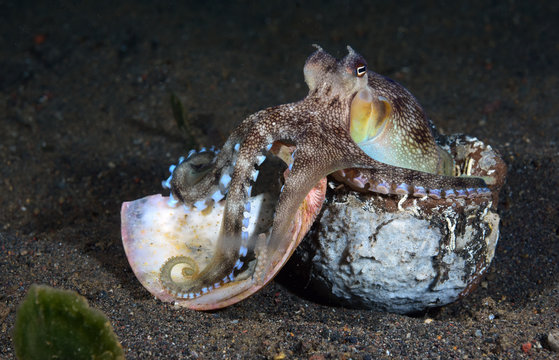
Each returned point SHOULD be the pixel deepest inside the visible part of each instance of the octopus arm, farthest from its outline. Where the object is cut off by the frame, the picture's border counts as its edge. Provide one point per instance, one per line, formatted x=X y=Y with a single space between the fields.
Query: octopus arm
x=385 y=178
x=235 y=247
x=217 y=178
x=303 y=176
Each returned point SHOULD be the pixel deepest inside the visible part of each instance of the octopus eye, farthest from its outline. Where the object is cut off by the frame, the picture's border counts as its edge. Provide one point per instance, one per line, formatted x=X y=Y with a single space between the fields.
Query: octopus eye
x=361 y=70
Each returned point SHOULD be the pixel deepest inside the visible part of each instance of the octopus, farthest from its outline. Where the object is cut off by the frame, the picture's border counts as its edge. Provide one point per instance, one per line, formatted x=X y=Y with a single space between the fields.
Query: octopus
x=365 y=129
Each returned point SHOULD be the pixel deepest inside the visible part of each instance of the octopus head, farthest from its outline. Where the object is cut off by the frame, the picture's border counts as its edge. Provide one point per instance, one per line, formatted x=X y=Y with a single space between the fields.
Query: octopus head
x=330 y=77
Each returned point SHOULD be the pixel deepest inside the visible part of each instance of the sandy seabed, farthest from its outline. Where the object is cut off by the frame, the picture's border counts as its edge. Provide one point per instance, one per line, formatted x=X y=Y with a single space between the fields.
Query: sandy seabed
x=85 y=124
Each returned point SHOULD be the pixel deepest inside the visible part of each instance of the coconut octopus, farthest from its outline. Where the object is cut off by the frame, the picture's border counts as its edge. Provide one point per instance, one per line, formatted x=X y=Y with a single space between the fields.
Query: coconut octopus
x=366 y=129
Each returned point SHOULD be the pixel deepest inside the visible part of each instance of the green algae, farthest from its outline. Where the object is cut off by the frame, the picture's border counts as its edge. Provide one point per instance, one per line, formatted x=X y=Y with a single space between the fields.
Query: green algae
x=59 y=324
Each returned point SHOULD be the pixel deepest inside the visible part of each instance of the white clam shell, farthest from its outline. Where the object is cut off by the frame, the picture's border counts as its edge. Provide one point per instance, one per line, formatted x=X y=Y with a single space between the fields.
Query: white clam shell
x=153 y=231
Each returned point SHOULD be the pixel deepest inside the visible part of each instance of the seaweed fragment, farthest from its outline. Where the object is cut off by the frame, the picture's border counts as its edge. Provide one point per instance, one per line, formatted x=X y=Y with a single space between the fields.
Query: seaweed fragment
x=59 y=324
x=182 y=119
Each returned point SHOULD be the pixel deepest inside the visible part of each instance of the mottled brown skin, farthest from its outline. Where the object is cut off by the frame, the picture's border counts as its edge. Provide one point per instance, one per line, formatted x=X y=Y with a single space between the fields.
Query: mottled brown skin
x=318 y=127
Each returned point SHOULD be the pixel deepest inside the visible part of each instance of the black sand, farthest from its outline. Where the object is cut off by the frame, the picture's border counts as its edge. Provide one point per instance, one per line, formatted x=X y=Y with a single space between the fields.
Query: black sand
x=85 y=124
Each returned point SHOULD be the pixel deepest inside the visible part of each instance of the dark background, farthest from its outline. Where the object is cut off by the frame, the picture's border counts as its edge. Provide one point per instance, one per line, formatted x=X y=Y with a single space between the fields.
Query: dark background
x=86 y=123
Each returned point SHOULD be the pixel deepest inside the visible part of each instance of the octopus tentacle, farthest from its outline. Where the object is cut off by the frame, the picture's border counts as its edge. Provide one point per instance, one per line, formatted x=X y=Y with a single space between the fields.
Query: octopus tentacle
x=303 y=176
x=388 y=179
x=177 y=271
x=213 y=183
x=234 y=245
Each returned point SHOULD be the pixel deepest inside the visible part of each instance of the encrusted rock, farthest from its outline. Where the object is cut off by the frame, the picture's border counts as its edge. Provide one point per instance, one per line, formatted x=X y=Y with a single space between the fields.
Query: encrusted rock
x=403 y=254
